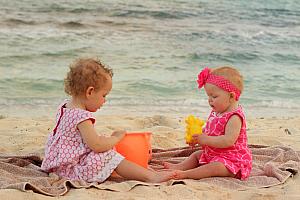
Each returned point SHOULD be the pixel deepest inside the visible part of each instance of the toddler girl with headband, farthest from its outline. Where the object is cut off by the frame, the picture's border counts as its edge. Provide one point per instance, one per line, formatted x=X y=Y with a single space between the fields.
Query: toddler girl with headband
x=74 y=148
x=224 y=140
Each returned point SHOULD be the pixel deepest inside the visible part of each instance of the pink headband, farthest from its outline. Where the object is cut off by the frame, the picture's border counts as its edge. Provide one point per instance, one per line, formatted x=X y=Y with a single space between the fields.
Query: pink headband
x=206 y=77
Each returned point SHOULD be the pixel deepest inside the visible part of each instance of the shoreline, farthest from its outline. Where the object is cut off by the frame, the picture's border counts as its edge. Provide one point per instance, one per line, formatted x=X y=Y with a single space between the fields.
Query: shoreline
x=48 y=111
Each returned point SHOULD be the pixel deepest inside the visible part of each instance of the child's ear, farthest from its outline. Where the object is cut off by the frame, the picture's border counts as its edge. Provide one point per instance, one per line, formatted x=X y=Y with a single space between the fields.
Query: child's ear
x=89 y=91
x=232 y=95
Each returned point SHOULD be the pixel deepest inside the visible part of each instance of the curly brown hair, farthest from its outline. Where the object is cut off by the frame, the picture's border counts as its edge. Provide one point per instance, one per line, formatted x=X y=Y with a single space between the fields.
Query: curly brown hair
x=231 y=74
x=84 y=73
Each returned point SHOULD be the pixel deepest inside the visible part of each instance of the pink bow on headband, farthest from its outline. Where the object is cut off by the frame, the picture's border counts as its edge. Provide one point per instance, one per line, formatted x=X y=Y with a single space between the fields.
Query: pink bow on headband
x=206 y=77
x=202 y=77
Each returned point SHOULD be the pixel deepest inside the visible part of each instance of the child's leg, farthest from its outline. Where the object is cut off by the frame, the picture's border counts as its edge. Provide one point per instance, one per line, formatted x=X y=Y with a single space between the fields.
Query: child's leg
x=133 y=171
x=190 y=163
x=208 y=170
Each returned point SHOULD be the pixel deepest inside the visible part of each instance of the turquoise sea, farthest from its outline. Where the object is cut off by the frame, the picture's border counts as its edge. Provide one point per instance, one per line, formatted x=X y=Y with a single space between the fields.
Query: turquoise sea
x=156 y=48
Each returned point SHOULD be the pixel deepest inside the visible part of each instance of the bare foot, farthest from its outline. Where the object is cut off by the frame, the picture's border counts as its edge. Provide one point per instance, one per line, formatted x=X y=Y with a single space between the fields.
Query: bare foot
x=178 y=174
x=165 y=170
x=162 y=176
x=168 y=165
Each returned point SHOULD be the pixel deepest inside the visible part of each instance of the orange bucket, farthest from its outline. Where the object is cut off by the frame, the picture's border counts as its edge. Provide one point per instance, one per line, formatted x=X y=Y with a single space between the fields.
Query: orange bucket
x=136 y=147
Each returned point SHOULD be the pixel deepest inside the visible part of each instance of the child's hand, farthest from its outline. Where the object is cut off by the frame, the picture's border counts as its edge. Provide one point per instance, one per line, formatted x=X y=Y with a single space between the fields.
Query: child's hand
x=198 y=139
x=119 y=134
x=194 y=141
x=202 y=139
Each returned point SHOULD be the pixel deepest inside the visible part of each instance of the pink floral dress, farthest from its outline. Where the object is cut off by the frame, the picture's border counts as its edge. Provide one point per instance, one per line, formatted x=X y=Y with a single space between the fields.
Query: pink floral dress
x=68 y=156
x=237 y=158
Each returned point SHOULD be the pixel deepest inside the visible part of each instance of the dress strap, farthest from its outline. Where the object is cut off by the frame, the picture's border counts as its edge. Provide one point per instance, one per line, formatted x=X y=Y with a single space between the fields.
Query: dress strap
x=58 y=122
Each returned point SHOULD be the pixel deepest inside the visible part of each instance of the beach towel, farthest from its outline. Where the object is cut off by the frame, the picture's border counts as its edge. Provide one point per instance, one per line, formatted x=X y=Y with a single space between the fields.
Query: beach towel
x=272 y=165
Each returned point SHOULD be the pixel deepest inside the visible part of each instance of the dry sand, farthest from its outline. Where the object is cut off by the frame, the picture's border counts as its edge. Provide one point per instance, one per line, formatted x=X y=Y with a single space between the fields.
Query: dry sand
x=23 y=135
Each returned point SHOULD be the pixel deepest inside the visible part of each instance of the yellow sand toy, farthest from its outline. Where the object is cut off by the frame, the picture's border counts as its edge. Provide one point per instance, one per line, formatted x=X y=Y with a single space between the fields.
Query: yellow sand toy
x=193 y=126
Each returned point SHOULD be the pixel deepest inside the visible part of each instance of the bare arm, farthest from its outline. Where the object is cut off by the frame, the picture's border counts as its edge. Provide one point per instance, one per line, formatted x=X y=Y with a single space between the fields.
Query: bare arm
x=94 y=141
x=232 y=131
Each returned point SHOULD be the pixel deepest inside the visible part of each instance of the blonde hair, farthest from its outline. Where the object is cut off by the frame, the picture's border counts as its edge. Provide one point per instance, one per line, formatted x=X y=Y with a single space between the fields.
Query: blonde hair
x=84 y=73
x=231 y=74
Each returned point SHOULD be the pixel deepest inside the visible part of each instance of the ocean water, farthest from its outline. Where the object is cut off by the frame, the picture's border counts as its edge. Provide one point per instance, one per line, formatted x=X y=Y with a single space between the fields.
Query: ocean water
x=156 y=49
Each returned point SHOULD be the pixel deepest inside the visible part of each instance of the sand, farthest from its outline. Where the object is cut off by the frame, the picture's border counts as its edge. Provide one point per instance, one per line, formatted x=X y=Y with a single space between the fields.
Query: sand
x=23 y=135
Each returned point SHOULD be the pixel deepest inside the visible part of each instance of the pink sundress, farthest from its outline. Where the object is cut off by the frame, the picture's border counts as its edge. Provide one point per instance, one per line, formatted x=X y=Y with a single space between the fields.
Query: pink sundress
x=237 y=158
x=68 y=156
